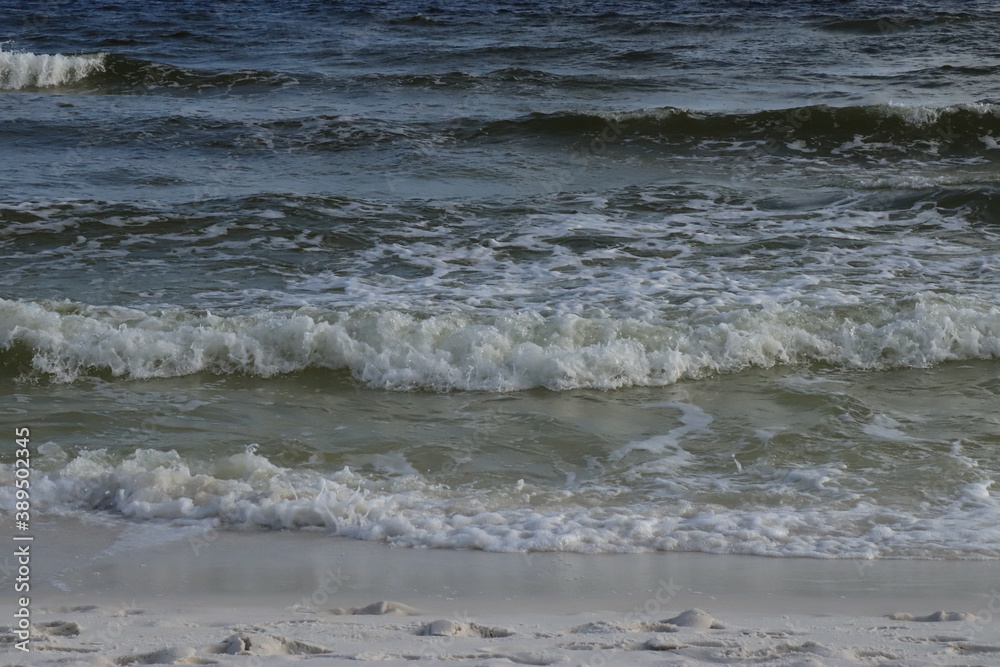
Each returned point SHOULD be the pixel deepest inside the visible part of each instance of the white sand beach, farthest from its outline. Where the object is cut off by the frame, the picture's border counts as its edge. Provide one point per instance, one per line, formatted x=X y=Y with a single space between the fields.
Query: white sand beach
x=108 y=594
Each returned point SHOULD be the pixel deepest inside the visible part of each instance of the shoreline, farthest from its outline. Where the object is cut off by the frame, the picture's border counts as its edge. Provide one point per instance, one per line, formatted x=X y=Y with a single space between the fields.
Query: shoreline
x=192 y=594
x=161 y=561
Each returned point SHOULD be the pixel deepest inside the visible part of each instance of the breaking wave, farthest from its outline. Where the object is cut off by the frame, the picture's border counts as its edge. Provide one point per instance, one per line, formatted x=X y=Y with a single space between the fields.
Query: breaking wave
x=394 y=349
x=21 y=70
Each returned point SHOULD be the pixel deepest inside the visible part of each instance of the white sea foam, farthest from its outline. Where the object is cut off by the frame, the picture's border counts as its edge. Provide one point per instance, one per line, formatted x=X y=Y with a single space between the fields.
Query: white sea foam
x=20 y=70
x=384 y=256
x=667 y=448
x=247 y=490
x=517 y=350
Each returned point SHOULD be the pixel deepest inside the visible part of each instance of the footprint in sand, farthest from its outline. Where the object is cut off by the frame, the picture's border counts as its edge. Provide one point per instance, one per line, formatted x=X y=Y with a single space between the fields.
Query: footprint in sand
x=261 y=644
x=692 y=618
x=936 y=617
x=55 y=629
x=525 y=657
x=80 y=609
x=166 y=656
x=967 y=648
x=128 y=611
x=610 y=627
x=663 y=643
x=446 y=628
x=382 y=608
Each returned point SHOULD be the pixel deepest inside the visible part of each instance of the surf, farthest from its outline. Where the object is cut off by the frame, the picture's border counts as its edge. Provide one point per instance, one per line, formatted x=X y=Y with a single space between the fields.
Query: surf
x=23 y=70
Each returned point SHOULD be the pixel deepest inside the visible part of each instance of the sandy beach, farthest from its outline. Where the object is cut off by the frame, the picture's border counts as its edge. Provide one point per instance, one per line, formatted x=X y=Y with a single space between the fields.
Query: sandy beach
x=104 y=593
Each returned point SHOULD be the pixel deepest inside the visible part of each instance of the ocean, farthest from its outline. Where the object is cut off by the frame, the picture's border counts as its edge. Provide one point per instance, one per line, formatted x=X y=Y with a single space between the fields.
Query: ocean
x=511 y=276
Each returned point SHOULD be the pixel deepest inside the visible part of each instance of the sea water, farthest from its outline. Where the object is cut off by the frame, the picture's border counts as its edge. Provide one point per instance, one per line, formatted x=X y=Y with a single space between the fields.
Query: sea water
x=513 y=276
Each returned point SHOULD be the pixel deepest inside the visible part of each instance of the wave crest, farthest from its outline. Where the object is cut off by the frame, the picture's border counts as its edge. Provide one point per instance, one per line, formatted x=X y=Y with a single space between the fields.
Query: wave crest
x=21 y=70
x=464 y=351
x=820 y=124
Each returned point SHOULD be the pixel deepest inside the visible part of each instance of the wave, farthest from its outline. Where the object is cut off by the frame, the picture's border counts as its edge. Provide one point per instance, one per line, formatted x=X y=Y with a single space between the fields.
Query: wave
x=397 y=350
x=961 y=197
x=933 y=77
x=517 y=77
x=420 y=19
x=21 y=70
x=112 y=73
x=313 y=133
x=964 y=125
x=248 y=490
x=125 y=74
x=885 y=128
x=886 y=131
x=963 y=194
x=881 y=25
